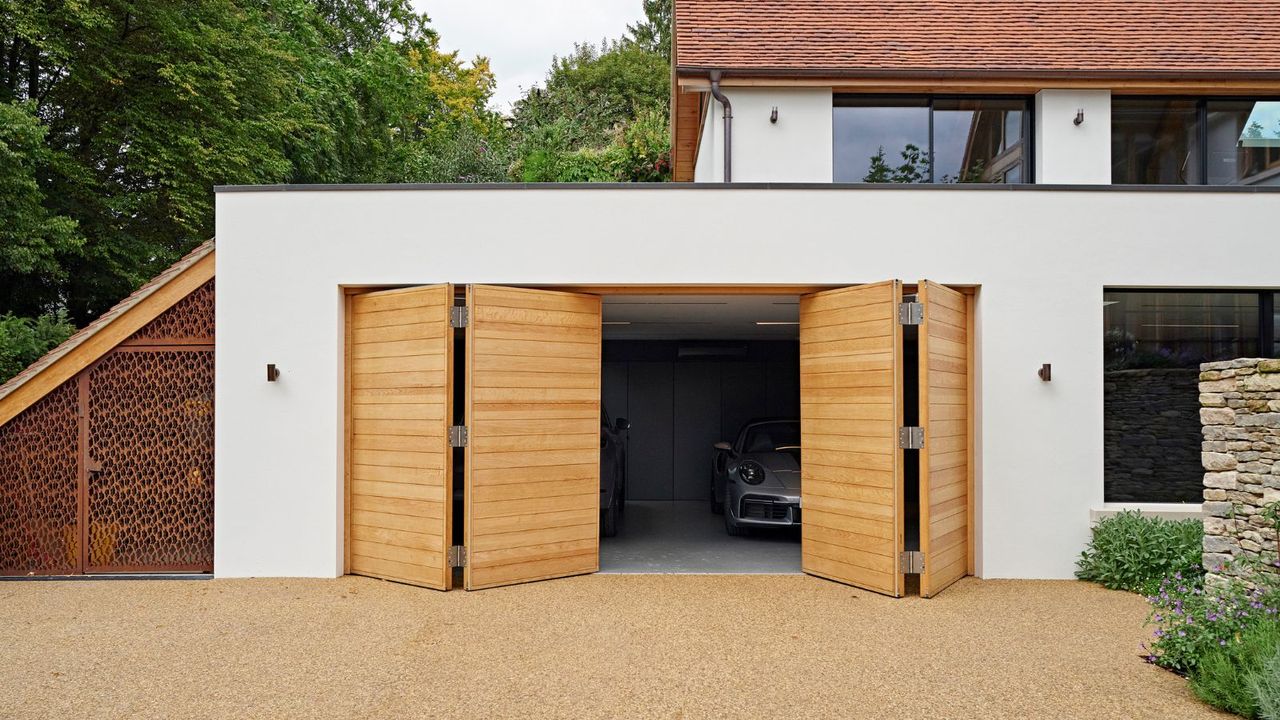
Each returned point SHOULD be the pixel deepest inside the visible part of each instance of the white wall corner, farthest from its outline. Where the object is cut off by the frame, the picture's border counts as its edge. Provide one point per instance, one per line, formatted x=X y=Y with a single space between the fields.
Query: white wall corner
x=795 y=148
x=1067 y=153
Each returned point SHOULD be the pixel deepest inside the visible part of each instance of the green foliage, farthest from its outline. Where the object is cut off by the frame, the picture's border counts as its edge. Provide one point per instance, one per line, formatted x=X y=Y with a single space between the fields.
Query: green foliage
x=654 y=32
x=25 y=340
x=120 y=116
x=1265 y=686
x=1191 y=620
x=914 y=167
x=1134 y=552
x=1226 y=677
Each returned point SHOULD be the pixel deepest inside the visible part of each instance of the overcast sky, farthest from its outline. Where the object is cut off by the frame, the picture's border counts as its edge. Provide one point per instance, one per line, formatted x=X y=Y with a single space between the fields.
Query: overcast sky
x=521 y=36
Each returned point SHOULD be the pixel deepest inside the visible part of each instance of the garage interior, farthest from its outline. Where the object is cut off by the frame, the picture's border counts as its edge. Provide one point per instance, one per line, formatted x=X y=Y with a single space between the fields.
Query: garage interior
x=687 y=371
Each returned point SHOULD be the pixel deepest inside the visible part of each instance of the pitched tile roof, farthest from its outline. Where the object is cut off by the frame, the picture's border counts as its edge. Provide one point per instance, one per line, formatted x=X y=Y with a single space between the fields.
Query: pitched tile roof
x=1174 y=38
x=105 y=319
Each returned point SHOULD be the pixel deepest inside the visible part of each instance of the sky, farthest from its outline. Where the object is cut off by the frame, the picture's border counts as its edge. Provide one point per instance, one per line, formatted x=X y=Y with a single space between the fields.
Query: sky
x=521 y=36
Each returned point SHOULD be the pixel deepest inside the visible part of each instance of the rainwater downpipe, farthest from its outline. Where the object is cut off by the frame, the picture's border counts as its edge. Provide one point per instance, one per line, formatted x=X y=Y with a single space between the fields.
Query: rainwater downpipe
x=728 y=124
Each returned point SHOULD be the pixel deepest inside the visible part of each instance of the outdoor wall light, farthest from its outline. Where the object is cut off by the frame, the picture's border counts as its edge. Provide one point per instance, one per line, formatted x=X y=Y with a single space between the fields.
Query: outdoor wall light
x=1045 y=372
x=1079 y=117
x=773 y=117
x=273 y=372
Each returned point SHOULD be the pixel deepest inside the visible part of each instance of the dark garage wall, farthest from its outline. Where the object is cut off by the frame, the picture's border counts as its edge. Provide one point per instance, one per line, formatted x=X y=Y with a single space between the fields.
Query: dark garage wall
x=680 y=406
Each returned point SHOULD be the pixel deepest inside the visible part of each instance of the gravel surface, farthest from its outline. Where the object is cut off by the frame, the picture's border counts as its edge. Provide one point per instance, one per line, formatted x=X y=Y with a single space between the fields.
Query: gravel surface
x=662 y=646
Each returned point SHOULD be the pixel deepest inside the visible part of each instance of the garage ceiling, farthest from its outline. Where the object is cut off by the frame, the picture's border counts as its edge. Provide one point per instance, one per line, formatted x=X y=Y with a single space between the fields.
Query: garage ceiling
x=701 y=317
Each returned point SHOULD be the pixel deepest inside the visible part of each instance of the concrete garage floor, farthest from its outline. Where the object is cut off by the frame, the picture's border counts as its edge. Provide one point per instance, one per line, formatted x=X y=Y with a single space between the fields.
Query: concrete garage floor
x=602 y=646
x=685 y=537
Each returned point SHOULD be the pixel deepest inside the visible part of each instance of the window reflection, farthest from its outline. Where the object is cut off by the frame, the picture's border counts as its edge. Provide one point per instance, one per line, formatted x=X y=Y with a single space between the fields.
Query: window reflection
x=1154 y=142
x=881 y=142
x=1179 y=329
x=923 y=140
x=978 y=141
x=1244 y=142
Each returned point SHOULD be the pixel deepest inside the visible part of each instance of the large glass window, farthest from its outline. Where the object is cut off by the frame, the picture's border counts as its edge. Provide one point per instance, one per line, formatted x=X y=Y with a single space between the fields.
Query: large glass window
x=1244 y=142
x=1153 y=345
x=1154 y=142
x=928 y=140
x=1179 y=141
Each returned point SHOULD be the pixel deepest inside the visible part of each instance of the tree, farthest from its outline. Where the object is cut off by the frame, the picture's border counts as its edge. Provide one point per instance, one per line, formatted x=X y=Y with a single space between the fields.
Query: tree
x=914 y=167
x=654 y=32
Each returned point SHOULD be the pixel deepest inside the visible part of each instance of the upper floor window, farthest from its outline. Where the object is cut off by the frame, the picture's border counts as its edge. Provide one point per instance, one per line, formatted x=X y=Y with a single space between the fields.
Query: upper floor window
x=1172 y=141
x=930 y=140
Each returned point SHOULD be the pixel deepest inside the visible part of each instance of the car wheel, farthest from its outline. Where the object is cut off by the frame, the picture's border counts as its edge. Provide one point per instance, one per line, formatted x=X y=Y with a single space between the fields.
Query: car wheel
x=609 y=521
x=717 y=507
x=730 y=525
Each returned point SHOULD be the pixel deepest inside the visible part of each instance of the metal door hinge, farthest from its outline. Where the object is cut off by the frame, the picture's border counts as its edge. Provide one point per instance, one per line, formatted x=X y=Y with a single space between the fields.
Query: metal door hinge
x=458 y=436
x=911 y=438
x=911 y=313
x=912 y=562
x=459 y=316
x=457 y=556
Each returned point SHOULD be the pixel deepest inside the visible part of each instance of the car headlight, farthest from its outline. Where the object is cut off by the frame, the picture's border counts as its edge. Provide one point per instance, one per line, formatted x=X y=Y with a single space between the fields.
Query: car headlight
x=751 y=472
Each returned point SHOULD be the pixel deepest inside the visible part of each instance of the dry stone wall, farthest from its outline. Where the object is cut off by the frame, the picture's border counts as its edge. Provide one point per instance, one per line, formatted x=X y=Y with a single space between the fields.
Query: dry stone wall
x=1240 y=417
x=1151 y=426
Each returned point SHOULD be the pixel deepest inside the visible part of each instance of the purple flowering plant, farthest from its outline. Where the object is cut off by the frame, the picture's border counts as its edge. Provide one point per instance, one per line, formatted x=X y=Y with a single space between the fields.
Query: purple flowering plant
x=1191 y=619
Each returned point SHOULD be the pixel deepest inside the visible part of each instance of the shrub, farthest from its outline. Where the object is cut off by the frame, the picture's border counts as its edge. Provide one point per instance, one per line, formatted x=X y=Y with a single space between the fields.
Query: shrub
x=1191 y=621
x=24 y=340
x=1226 y=675
x=1133 y=552
x=1265 y=686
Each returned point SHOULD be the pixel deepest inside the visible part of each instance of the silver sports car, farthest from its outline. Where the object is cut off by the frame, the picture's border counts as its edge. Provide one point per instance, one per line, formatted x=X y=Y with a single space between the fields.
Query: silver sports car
x=755 y=481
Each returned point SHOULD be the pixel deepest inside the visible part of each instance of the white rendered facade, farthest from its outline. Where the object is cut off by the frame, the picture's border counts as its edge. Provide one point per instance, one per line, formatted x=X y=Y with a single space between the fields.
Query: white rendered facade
x=1040 y=257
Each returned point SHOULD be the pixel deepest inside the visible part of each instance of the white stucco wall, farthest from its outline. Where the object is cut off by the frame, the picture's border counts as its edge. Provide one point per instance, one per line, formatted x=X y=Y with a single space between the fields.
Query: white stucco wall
x=1070 y=154
x=795 y=149
x=282 y=257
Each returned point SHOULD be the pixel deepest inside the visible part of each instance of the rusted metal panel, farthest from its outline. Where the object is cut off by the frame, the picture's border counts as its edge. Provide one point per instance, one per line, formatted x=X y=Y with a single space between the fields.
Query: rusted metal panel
x=39 y=474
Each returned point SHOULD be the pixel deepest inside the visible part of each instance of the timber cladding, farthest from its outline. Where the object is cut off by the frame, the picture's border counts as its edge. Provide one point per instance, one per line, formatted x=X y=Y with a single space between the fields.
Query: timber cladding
x=533 y=458
x=850 y=409
x=400 y=395
x=112 y=471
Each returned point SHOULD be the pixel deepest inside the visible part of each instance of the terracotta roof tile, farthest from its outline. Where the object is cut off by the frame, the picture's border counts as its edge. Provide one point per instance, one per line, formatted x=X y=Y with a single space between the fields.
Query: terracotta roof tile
x=1050 y=37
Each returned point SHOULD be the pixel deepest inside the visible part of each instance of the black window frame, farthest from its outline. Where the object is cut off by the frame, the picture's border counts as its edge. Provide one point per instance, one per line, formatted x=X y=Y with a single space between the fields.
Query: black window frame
x=1202 y=130
x=890 y=99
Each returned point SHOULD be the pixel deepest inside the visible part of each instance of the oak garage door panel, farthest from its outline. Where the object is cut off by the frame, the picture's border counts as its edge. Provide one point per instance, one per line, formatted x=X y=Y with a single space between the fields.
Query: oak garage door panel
x=944 y=414
x=401 y=347
x=850 y=408
x=533 y=415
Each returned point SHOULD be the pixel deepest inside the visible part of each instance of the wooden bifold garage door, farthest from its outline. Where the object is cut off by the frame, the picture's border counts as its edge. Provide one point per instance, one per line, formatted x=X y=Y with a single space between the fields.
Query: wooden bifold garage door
x=529 y=414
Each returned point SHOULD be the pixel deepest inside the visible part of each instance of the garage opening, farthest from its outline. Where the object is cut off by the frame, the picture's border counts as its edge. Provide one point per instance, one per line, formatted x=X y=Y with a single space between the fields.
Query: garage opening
x=668 y=423
x=695 y=386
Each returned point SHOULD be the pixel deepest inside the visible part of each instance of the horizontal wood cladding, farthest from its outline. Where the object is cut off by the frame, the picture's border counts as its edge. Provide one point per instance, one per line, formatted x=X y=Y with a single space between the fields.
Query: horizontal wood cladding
x=849 y=349
x=533 y=456
x=399 y=461
x=945 y=414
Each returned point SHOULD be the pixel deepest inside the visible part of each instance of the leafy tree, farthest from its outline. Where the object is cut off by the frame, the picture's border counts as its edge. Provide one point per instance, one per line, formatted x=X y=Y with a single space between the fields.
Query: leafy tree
x=654 y=32
x=23 y=340
x=914 y=167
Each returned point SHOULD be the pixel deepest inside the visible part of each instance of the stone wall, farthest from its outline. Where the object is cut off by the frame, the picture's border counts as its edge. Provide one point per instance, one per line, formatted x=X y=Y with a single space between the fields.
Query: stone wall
x=1151 y=429
x=1240 y=412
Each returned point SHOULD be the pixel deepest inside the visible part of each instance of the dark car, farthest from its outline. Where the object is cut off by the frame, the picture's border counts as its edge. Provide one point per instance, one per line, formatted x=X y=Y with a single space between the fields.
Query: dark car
x=755 y=480
x=613 y=471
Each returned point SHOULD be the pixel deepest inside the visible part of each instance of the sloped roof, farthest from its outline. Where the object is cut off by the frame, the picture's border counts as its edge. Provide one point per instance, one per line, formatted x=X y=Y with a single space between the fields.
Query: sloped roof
x=140 y=308
x=1046 y=38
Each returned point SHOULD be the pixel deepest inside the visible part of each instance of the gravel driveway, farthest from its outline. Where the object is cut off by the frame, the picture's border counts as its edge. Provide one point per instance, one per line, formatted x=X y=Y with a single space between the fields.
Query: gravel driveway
x=662 y=646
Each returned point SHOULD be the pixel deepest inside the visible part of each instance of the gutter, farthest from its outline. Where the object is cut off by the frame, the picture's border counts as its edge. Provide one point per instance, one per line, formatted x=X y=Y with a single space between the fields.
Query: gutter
x=728 y=124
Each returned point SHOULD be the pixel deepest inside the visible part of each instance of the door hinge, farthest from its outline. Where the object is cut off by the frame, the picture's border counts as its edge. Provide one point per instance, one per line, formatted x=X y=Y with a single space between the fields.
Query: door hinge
x=912 y=562
x=458 y=436
x=910 y=313
x=457 y=556
x=459 y=316
x=911 y=438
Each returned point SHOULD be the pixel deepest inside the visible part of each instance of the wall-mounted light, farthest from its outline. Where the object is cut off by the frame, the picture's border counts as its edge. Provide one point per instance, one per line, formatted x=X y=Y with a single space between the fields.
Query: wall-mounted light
x=273 y=372
x=1079 y=117
x=1045 y=372
x=773 y=117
